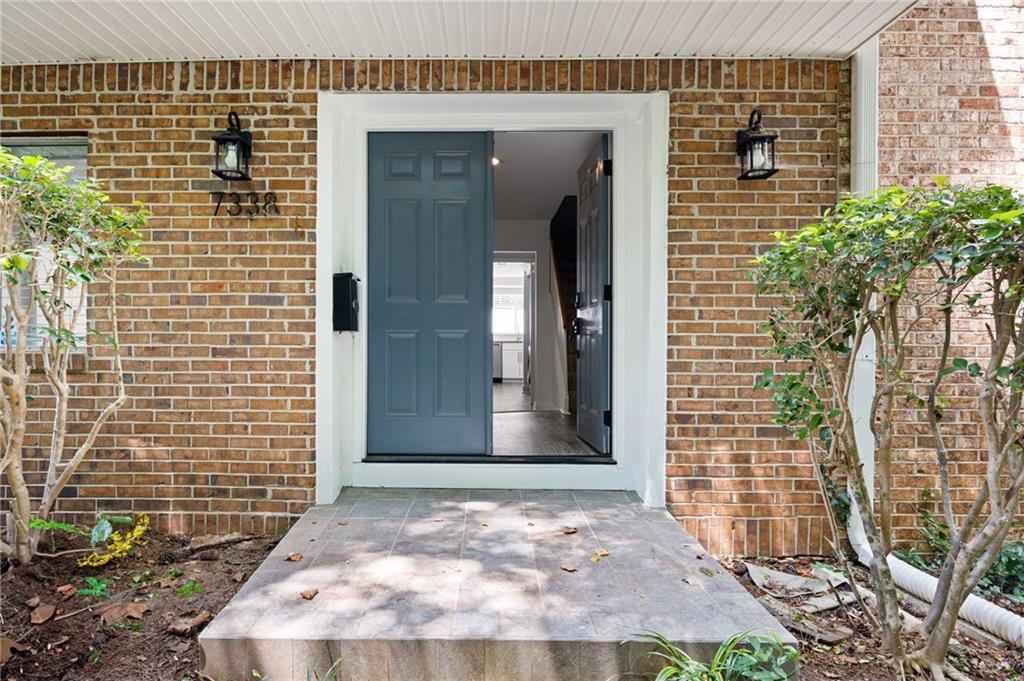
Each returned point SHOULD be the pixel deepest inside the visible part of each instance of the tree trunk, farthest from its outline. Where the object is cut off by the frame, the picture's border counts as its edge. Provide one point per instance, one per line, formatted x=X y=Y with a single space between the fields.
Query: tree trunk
x=21 y=511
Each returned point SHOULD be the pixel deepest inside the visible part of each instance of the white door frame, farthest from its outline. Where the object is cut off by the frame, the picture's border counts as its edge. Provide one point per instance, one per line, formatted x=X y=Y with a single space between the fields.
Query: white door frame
x=639 y=127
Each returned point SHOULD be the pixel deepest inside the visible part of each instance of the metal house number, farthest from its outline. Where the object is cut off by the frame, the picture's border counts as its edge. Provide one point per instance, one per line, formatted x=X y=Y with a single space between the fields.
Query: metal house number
x=251 y=204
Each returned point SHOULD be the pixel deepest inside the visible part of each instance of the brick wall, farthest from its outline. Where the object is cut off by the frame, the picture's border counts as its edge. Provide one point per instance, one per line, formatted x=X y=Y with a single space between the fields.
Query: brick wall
x=218 y=432
x=951 y=97
x=951 y=79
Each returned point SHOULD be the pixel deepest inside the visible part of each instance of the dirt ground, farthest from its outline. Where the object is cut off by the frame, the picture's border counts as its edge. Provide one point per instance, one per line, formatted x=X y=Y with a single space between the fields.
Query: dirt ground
x=75 y=643
x=859 y=657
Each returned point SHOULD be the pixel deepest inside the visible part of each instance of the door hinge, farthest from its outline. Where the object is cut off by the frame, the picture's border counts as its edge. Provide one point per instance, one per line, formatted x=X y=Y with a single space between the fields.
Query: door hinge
x=606 y=167
x=608 y=418
x=608 y=293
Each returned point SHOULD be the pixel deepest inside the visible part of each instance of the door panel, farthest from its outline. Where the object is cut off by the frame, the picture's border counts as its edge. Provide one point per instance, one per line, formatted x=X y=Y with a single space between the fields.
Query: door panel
x=452 y=251
x=428 y=293
x=401 y=380
x=593 y=274
x=402 y=229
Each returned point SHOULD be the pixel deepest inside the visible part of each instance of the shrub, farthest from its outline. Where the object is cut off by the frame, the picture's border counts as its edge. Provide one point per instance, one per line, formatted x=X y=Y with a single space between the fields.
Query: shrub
x=58 y=240
x=882 y=266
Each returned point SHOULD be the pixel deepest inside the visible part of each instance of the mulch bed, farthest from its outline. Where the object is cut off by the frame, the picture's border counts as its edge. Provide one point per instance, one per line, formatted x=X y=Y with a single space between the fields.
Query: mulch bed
x=860 y=657
x=84 y=648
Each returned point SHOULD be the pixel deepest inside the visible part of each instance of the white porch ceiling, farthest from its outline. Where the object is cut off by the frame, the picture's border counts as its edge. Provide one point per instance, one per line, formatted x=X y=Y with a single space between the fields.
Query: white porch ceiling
x=61 y=31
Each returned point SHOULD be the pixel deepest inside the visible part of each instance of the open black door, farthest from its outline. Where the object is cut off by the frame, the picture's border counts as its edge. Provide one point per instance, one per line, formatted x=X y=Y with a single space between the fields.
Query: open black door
x=593 y=299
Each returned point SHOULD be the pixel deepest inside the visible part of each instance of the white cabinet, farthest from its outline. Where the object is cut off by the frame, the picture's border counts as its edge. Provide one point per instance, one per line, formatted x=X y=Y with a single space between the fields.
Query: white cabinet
x=512 y=361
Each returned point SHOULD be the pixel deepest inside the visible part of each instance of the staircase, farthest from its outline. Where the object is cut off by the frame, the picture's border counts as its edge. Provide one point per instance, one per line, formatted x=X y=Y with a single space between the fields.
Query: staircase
x=563 y=251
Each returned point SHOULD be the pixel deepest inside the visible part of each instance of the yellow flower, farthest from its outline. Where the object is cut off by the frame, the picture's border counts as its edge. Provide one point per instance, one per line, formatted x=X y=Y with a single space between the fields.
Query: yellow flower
x=118 y=545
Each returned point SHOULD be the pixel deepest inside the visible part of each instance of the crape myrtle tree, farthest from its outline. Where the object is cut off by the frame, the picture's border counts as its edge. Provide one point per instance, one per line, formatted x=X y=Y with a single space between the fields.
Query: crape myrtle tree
x=58 y=240
x=888 y=264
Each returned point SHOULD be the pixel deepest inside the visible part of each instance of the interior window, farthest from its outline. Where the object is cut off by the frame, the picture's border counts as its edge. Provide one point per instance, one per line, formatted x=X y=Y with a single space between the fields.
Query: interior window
x=64 y=151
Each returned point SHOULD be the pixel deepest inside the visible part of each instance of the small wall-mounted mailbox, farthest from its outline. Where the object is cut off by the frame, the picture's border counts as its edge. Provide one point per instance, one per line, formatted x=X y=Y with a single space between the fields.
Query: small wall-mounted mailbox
x=346 y=302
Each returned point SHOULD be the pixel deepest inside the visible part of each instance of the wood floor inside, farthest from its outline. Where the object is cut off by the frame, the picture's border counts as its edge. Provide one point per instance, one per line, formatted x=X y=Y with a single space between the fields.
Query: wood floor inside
x=520 y=430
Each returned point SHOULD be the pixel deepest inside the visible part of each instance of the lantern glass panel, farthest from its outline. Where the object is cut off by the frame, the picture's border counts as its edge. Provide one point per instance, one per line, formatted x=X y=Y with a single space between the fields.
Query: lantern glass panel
x=759 y=155
x=230 y=156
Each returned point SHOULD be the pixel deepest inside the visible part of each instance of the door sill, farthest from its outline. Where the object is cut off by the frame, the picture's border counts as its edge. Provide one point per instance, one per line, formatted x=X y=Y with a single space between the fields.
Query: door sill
x=485 y=458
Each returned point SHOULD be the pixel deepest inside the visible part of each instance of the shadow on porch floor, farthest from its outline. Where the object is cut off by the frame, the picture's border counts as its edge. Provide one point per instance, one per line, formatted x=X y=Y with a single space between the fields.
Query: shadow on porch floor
x=469 y=584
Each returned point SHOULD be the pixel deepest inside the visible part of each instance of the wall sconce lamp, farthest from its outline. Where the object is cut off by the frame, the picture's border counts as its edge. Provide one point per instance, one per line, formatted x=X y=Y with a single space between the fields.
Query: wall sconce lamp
x=756 y=150
x=232 y=152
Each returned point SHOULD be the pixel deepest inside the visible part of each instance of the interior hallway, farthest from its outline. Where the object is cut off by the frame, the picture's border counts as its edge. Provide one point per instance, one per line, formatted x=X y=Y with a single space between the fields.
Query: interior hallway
x=509 y=396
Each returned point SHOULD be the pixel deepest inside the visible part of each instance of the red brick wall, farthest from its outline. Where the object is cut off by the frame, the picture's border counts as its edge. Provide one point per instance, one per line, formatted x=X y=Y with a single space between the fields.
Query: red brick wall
x=218 y=433
x=734 y=480
x=951 y=87
x=951 y=93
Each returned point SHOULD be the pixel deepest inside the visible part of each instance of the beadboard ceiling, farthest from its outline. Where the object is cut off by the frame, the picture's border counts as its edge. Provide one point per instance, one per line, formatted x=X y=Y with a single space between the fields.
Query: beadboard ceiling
x=61 y=31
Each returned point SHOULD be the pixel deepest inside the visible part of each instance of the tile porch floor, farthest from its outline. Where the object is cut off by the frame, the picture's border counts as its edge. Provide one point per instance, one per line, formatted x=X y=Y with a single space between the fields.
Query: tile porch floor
x=463 y=585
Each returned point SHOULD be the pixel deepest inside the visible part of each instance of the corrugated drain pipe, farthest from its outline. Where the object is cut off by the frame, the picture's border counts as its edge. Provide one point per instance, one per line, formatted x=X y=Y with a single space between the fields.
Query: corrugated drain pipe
x=864 y=178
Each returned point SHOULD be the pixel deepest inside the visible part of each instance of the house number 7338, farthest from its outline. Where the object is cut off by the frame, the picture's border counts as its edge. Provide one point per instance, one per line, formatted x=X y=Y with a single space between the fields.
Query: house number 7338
x=251 y=204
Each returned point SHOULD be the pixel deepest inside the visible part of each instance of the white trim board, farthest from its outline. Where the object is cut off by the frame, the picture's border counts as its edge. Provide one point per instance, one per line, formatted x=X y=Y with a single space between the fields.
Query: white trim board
x=639 y=127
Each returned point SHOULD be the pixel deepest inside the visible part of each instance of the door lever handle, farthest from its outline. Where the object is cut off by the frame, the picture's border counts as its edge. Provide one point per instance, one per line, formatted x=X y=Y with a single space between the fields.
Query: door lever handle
x=577 y=324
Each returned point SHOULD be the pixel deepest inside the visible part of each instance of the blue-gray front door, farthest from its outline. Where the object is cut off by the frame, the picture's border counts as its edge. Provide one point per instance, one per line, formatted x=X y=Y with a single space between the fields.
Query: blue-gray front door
x=593 y=299
x=428 y=293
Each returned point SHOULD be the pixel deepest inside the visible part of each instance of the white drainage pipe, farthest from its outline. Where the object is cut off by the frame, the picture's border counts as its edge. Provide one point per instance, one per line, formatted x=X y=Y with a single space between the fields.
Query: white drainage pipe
x=864 y=178
x=984 y=614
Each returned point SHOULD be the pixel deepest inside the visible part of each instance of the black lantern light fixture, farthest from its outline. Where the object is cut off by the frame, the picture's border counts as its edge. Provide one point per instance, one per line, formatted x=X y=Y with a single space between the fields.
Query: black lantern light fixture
x=756 y=150
x=233 y=150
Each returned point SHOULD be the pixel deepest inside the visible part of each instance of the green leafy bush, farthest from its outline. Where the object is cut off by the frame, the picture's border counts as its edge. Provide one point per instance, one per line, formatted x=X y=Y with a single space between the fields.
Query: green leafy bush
x=743 y=657
x=62 y=245
x=863 y=283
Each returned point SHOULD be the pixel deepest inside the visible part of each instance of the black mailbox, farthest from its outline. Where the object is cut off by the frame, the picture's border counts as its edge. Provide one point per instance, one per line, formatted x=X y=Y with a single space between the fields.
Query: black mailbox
x=346 y=302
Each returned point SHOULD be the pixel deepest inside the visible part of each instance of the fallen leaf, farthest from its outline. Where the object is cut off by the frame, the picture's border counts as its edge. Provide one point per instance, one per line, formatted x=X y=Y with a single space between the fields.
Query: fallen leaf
x=238 y=577
x=8 y=647
x=568 y=530
x=168 y=583
x=309 y=594
x=293 y=557
x=137 y=609
x=529 y=524
x=568 y=568
x=708 y=571
x=343 y=522
x=112 y=614
x=594 y=559
x=484 y=525
x=67 y=590
x=185 y=626
x=33 y=602
x=438 y=520
x=43 y=613
x=600 y=552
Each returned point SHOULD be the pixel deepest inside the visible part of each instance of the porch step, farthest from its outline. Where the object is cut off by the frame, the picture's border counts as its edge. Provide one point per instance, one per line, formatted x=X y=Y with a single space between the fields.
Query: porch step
x=472 y=584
